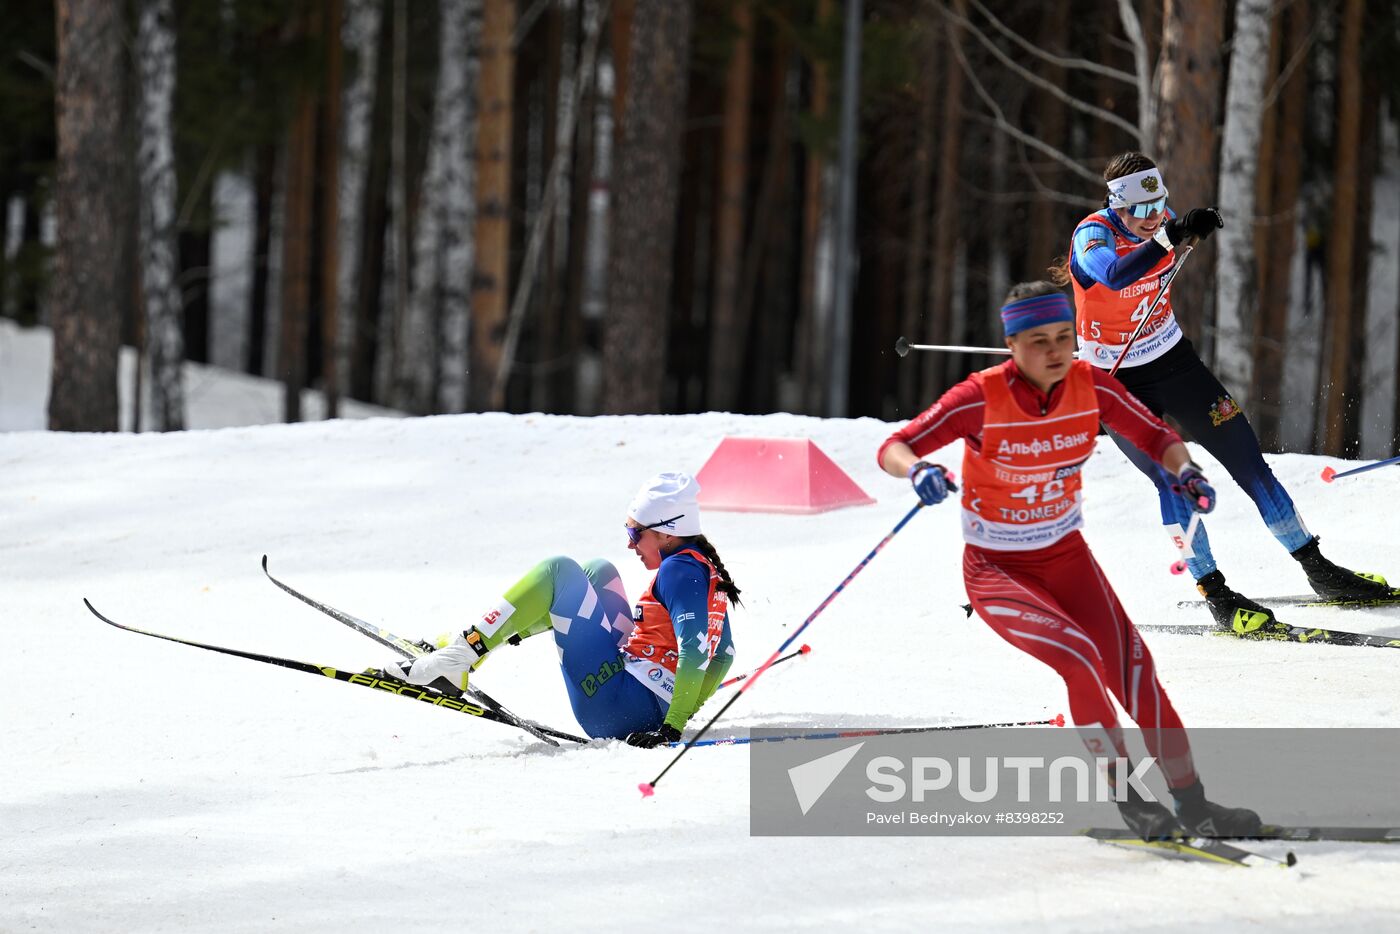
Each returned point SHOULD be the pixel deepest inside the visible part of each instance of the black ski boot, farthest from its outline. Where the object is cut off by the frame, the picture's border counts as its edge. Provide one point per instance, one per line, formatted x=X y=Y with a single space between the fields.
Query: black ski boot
x=1332 y=582
x=1202 y=818
x=1148 y=819
x=1234 y=611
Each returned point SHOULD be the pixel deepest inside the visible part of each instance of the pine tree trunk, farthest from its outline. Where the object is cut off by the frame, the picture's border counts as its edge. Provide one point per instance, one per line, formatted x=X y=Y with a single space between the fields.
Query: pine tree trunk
x=1341 y=242
x=264 y=191
x=550 y=199
x=370 y=347
x=1368 y=163
x=332 y=32
x=727 y=341
x=1188 y=115
x=763 y=246
x=946 y=216
x=490 y=284
x=1047 y=225
x=557 y=87
x=916 y=249
x=623 y=12
x=643 y=222
x=564 y=380
x=155 y=61
x=1236 y=282
x=1279 y=235
x=814 y=313
x=87 y=271
x=296 y=254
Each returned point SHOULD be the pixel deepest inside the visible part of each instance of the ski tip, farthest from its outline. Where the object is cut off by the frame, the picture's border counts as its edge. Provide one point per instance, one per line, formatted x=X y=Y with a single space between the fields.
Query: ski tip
x=264 y=563
x=1328 y=473
x=1178 y=567
x=647 y=789
x=1059 y=719
x=805 y=649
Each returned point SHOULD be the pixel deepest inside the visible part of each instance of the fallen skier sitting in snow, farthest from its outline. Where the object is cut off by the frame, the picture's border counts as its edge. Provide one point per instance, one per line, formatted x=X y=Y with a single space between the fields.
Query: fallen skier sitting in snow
x=1028 y=426
x=634 y=676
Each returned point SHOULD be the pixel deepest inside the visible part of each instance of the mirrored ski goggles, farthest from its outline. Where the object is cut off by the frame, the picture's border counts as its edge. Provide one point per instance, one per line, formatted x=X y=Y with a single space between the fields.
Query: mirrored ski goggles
x=1147 y=208
x=634 y=532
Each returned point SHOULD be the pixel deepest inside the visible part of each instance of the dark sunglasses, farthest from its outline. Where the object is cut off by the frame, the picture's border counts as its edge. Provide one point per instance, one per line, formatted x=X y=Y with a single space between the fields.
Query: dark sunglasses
x=634 y=532
x=1147 y=208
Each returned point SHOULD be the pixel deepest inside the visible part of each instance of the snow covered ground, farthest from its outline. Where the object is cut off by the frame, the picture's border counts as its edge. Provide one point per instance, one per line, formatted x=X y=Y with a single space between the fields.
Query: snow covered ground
x=149 y=786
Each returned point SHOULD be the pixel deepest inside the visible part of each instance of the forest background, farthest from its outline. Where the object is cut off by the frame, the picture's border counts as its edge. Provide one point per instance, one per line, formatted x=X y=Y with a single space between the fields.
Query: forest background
x=632 y=206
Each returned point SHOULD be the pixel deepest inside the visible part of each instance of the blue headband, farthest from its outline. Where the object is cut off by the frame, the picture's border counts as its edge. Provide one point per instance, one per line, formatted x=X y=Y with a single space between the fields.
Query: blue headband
x=1032 y=312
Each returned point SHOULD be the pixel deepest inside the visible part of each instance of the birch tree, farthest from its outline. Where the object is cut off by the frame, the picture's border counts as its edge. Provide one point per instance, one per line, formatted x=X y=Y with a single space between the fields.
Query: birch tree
x=1235 y=273
x=164 y=331
x=393 y=299
x=360 y=34
x=442 y=249
x=87 y=271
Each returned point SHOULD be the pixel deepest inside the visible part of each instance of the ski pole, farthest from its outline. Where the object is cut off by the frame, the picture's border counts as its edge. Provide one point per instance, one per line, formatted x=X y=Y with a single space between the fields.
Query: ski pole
x=1179 y=565
x=737 y=678
x=902 y=347
x=1329 y=474
x=649 y=788
x=1190 y=246
x=1057 y=720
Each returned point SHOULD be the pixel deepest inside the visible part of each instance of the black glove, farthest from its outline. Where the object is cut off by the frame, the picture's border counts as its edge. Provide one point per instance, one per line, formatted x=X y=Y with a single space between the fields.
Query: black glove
x=1197 y=222
x=648 y=739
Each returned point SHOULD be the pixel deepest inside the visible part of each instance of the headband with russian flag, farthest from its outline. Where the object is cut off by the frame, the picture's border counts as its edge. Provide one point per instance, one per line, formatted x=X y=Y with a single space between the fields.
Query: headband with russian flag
x=1032 y=312
x=1146 y=185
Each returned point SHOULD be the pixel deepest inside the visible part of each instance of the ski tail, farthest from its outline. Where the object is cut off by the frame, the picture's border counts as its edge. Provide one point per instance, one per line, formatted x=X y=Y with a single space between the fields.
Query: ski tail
x=362 y=679
x=409 y=649
x=1194 y=849
x=1293 y=634
x=405 y=647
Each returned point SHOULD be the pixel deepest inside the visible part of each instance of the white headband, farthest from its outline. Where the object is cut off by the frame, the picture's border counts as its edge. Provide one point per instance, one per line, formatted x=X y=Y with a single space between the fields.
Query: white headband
x=1146 y=185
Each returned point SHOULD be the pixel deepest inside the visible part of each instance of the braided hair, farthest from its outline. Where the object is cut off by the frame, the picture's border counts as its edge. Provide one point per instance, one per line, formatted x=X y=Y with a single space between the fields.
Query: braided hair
x=1125 y=163
x=726 y=583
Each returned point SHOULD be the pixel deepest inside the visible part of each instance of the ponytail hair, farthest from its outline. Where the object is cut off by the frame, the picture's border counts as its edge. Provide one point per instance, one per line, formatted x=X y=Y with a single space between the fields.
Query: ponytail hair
x=726 y=583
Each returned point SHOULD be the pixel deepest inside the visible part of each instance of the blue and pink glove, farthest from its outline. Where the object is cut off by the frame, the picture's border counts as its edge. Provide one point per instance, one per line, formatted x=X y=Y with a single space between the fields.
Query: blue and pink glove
x=1191 y=483
x=932 y=482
